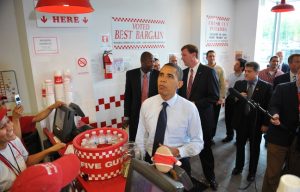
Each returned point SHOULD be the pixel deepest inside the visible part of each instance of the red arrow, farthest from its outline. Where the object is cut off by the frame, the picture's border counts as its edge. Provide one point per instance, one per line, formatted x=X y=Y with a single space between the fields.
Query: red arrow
x=85 y=20
x=44 y=19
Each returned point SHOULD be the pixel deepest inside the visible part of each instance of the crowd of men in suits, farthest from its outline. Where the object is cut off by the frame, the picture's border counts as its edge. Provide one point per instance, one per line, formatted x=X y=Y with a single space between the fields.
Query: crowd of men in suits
x=204 y=86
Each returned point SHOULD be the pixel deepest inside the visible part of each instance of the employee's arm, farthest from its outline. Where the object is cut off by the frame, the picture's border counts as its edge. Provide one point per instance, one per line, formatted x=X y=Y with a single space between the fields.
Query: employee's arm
x=44 y=114
x=16 y=115
x=38 y=157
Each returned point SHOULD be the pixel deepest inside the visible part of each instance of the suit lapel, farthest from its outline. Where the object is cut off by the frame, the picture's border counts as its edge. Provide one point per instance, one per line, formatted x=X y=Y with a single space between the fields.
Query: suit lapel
x=184 y=86
x=138 y=83
x=256 y=90
x=196 y=79
x=295 y=101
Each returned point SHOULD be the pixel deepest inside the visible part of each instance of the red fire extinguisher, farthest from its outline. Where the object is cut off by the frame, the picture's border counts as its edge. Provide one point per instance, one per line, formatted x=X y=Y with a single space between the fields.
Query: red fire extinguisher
x=107 y=62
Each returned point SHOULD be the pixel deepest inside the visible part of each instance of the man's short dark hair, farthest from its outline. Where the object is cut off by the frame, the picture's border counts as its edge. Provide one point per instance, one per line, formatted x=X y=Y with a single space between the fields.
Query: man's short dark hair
x=291 y=57
x=253 y=65
x=145 y=55
x=210 y=51
x=273 y=58
x=242 y=63
x=155 y=59
x=191 y=49
x=178 y=70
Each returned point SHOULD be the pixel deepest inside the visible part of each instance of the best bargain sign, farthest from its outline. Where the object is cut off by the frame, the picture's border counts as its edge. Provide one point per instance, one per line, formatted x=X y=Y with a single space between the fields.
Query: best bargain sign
x=134 y=33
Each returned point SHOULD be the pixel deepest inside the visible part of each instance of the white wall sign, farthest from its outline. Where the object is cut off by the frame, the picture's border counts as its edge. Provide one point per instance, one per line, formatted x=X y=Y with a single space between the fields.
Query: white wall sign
x=105 y=41
x=217 y=31
x=45 y=45
x=82 y=66
x=61 y=20
x=133 y=33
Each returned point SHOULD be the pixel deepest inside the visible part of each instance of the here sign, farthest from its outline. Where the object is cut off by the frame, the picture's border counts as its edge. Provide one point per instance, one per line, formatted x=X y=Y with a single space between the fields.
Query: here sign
x=61 y=20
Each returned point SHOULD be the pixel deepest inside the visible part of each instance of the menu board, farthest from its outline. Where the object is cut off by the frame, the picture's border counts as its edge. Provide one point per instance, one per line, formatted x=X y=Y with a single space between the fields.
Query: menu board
x=8 y=85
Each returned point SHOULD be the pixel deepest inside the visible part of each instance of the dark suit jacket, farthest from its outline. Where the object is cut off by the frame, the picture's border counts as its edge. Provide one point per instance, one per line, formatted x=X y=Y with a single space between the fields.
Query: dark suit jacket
x=284 y=102
x=205 y=93
x=285 y=68
x=261 y=94
x=133 y=94
x=284 y=78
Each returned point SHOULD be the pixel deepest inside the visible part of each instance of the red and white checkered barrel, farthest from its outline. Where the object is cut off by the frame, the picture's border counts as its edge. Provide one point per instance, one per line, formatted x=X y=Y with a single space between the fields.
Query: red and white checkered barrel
x=100 y=163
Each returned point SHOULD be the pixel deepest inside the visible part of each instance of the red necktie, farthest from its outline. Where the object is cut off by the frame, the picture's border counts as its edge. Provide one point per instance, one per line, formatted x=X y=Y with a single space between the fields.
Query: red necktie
x=190 y=84
x=145 y=88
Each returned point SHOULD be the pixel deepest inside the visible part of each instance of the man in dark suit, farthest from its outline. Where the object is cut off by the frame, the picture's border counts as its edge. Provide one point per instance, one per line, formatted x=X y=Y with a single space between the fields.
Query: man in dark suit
x=284 y=106
x=282 y=66
x=250 y=122
x=141 y=83
x=294 y=63
x=200 y=85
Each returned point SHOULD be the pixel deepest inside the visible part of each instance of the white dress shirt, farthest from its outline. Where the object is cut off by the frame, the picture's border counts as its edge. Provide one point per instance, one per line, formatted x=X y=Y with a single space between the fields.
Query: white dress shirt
x=183 y=129
x=195 y=69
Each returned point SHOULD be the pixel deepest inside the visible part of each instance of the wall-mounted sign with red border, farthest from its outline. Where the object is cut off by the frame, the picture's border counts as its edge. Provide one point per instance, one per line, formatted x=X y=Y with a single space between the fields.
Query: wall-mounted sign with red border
x=61 y=20
x=134 y=33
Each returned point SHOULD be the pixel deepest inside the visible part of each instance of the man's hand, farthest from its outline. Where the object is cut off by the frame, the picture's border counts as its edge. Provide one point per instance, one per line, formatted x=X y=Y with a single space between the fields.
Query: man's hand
x=17 y=112
x=220 y=102
x=125 y=124
x=244 y=94
x=264 y=128
x=275 y=119
x=173 y=150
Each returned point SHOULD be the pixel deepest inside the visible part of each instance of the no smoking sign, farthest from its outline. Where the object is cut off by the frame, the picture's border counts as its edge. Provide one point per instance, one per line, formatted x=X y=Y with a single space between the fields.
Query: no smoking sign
x=82 y=65
x=82 y=62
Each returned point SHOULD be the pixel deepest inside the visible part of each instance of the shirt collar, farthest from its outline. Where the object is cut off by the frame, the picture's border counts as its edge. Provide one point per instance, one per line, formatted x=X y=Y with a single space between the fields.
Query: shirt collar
x=171 y=101
x=195 y=68
x=142 y=73
x=254 y=81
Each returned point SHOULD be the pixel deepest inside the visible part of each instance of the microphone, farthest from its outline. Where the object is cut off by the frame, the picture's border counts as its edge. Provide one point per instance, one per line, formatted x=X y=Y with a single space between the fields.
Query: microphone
x=239 y=96
x=253 y=104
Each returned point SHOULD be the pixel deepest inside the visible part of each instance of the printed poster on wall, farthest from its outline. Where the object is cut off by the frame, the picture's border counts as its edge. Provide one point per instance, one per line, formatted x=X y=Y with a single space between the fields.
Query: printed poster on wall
x=134 y=33
x=217 y=31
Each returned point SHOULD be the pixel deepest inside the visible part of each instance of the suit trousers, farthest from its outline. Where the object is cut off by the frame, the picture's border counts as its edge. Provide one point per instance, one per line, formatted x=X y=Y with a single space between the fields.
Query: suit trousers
x=242 y=135
x=276 y=158
x=207 y=161
x=132 y=130
x=229 y=109
x=217 y=109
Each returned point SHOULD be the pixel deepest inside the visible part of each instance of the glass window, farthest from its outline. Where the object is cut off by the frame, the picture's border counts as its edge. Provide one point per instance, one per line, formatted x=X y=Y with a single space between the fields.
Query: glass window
x=276 y=31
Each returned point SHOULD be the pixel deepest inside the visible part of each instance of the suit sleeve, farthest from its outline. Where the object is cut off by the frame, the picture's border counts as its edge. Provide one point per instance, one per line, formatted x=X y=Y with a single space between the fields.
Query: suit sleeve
x=267 y=101
x=275 y=82
x=128 y=96
x=276 y=101
x=213 y=91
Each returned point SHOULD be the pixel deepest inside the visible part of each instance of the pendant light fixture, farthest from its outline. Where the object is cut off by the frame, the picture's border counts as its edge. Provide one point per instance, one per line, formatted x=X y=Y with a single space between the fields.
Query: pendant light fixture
x=282 y=7
x=64 y=6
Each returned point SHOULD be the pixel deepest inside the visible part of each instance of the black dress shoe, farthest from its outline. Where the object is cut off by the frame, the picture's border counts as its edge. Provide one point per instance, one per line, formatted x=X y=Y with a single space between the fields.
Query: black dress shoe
x=251 y=177
x=227 y=139
x=213 y=185
x=236 y=171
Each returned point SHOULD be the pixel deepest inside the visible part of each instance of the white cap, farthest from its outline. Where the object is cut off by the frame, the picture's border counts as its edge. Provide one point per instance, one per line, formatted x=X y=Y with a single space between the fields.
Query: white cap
x=289 y=183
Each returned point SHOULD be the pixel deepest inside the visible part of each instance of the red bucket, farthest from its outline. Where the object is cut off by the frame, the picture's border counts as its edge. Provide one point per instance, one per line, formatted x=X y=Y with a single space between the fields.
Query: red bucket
x=100 y=163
